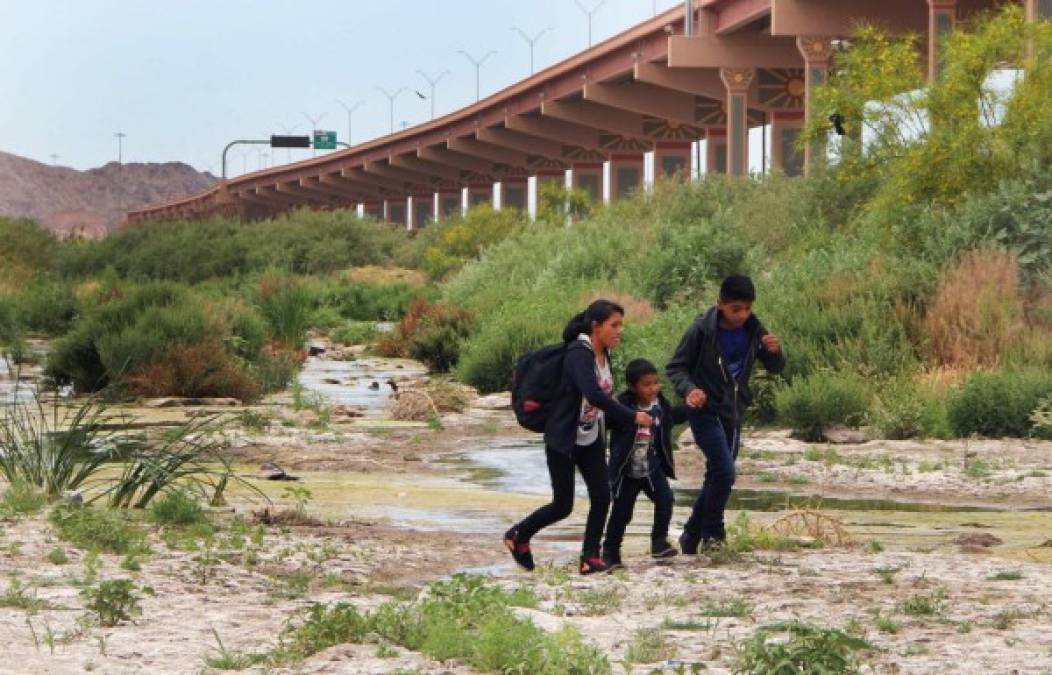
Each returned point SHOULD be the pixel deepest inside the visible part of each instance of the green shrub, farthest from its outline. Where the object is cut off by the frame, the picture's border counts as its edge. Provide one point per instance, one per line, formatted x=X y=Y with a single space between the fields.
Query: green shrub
x=798 y=647
x=431 y=333
x=95 y=528
x=355 y=333
x=489 y=356
x=322 y=627
x=46 y=305
x=998 y=403
x=812 y=404
x=177 y=507
x=448 y=245
x=1041 y=419
x=161 y=339
x=898 y=409
x=113 y=601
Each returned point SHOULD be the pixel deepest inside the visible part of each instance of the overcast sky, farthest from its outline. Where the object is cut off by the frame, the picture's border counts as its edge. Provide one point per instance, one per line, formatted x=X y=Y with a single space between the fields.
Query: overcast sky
x=183 y=77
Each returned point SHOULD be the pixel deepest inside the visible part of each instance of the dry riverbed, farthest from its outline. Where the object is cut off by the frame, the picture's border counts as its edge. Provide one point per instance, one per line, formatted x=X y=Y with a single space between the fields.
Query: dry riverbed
x=395 y=506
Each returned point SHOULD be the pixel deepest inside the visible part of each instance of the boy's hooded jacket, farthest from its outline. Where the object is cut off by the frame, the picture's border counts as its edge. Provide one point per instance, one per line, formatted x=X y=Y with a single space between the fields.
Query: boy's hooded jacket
x=623 y=438
x=699 y=363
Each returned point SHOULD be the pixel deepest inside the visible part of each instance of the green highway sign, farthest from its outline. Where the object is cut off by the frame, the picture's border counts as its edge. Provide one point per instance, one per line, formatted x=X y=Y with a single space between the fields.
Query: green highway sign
x=324 y=140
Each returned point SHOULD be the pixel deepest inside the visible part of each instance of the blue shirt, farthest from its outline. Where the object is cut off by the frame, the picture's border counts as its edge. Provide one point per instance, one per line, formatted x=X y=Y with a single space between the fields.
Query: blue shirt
x=734 y=345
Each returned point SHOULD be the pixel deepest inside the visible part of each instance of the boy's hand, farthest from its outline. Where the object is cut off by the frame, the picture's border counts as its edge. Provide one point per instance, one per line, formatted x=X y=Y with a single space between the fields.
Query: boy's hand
x=771 y=343
x=643 y=419
x=696 y=398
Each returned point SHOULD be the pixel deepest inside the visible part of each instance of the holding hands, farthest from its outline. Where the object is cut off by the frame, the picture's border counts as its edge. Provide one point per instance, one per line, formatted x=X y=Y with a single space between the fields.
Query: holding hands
x=696 y=398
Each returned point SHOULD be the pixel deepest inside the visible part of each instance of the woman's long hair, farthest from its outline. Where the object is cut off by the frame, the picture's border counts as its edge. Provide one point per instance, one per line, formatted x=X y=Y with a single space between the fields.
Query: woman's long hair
x=597 y=312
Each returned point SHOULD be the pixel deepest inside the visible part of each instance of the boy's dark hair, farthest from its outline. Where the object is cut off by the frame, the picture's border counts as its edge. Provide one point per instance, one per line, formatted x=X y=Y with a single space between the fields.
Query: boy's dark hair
x=635 y=370
x=737 y=287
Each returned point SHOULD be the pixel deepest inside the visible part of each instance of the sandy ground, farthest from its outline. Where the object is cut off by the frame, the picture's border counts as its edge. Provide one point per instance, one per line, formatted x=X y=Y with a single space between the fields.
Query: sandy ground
x=398 y=508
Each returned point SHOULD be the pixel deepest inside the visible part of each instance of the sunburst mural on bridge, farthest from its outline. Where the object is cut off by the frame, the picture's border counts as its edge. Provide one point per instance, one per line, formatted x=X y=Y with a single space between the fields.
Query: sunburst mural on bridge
x=663 y=130
x=578 y=154
x=782 y=89
x=616 y=143
x=539 y=163
x=713 y=113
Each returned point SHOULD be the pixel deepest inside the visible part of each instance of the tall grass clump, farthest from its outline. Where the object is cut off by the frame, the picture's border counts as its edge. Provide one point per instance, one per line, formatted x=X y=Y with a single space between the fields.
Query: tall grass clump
x=812 y=404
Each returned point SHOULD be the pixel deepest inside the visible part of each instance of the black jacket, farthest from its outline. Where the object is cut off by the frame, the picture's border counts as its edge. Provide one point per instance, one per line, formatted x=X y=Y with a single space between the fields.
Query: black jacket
x=579 y=381
x=699 y=363
x=623 y=438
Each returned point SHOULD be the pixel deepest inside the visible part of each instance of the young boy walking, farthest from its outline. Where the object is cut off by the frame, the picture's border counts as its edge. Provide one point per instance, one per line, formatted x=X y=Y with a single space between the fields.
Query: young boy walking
x=641 y=461
x=711 y=370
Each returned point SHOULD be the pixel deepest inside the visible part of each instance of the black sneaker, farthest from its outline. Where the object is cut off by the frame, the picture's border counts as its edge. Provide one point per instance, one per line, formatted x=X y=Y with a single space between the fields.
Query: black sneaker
x=592 y=564
x=711 y=544
x=613 y=562
x=520 y=550
x=662 y=549
x=688 y=543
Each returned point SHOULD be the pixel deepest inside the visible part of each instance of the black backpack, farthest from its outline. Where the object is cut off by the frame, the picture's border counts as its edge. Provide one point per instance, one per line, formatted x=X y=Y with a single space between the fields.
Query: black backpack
x=535 y=385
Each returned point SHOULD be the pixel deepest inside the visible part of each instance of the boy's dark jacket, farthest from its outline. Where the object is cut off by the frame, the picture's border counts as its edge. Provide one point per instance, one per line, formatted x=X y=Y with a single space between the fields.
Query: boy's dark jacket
x=579 y=381
x=699 y=363
x=623 y=437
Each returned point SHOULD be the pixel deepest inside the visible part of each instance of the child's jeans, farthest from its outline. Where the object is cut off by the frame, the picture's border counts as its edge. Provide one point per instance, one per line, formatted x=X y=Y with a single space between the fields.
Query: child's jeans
x=657 y=489
x=719 y=442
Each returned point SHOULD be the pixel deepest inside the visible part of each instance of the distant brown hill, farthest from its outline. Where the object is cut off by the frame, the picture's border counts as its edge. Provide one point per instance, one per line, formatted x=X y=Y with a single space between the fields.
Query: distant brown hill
x=90 y=203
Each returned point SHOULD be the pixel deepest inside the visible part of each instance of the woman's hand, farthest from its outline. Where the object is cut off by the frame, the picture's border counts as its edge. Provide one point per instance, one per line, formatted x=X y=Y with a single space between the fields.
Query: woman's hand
x=696 y=398
x=643 y=419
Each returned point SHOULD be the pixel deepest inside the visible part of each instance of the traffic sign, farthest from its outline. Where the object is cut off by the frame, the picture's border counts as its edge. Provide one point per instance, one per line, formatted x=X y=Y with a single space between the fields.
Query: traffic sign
x=324 y=140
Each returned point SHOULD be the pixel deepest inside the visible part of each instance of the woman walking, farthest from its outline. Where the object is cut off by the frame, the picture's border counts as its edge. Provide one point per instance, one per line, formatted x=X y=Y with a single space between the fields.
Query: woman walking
x=574 y=436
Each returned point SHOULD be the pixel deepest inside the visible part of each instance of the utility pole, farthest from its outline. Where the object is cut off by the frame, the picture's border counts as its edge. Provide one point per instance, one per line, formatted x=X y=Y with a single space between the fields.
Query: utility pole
x=478 y=66
x=590 y=14
x=314 y=127
x=530 y=41
x=390 y=100
x=120 y=136
x=288 y=132
x=350 y=113
x=432 y=81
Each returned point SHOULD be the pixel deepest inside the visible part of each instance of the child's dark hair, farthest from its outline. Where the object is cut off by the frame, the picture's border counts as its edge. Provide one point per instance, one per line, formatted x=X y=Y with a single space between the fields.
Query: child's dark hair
x=636 y=369
x=737 y=287
x=597 y=312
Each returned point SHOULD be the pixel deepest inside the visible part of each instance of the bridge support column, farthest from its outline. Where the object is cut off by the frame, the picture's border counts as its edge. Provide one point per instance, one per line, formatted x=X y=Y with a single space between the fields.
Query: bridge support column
x=715 y=150
x=785 y=130
x=942 y=19
x=626 y=175
x=671 y=160
x=588 y=176
x=817 y=51
x=737 y=81
x=422 y=210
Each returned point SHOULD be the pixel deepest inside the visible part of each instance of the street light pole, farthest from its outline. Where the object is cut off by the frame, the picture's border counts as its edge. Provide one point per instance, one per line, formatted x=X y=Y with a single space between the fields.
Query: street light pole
x=590 y=14
x=432 y=81
x=120 y=136
x=530 y=41
x=350 y=112
x=478 y=67
x=390 y=100
x=288 y=132
x=314 y=127
x=54 y=159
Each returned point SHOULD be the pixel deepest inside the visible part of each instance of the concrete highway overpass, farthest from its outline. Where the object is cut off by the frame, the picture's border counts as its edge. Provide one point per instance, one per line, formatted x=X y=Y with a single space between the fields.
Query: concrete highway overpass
x=592 y=121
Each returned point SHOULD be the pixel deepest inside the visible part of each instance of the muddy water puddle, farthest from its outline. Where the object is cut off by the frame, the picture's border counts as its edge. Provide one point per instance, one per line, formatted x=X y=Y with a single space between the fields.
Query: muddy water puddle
x=364 y=383
x=518 y=467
